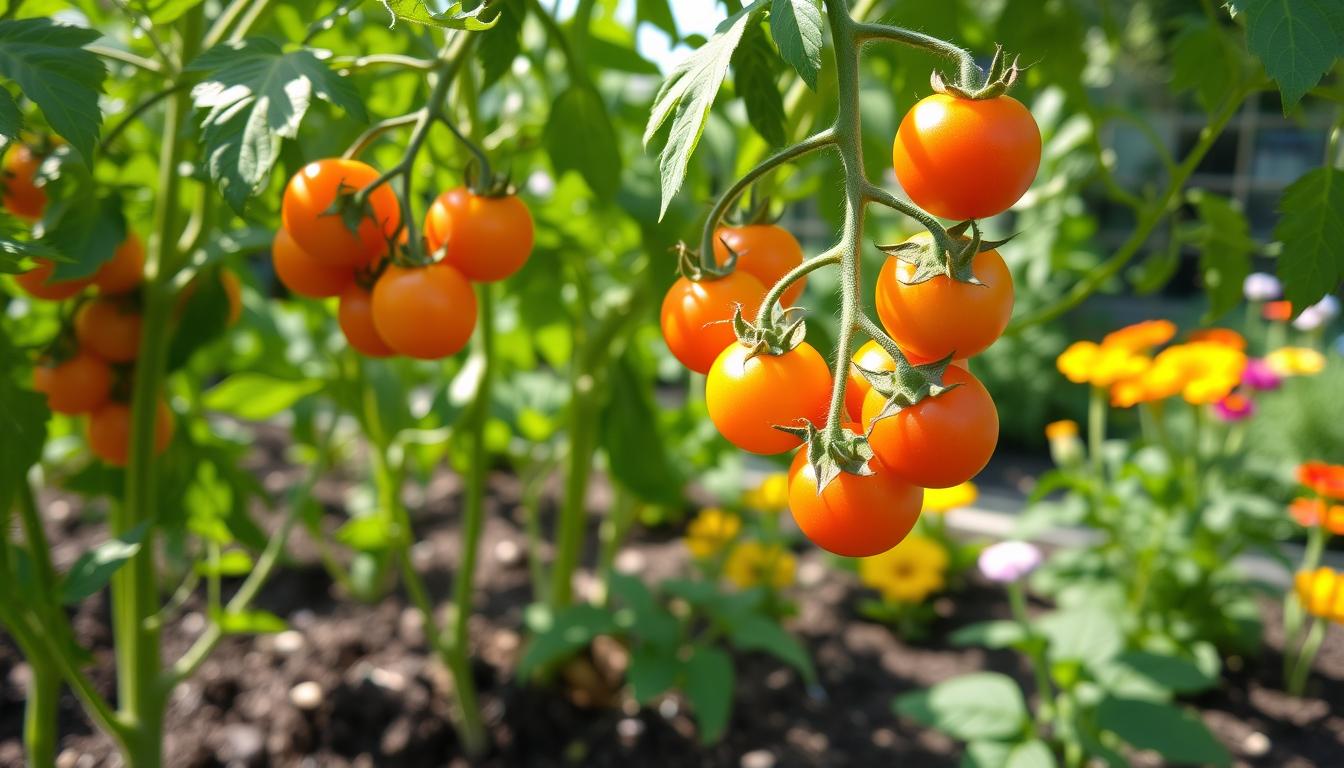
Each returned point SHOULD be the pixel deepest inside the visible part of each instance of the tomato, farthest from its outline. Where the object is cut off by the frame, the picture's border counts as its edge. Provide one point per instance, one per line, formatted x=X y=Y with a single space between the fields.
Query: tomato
x=38 y=284
x=125 y=270
x=873 y=357
x=425 y=312
x=21 y=196
x=487 y=238
x=766 y=251
x=109 y=329
x=695 y=316
x=965 y=158
x=310 y=195
x=304 y=274
x=77 y=385
x=355 y=317
x=942 y=316
x=854 y=515
x=940 y=441
x=747 y=398
x=109 y=432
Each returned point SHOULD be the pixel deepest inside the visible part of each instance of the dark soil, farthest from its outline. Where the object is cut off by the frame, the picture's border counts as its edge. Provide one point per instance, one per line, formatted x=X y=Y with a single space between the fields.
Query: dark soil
x=373 y=695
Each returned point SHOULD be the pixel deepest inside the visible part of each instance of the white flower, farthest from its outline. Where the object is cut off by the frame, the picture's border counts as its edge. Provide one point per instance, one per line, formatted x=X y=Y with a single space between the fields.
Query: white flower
x=1261 y=286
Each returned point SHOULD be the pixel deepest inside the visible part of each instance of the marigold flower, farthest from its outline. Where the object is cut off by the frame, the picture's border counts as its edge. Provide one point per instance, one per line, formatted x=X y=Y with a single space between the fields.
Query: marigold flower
x=1324 y=479
x=908 y=572
x=711 y=531
x=1076 y=361
x=1260 y=376
x=1008 y=561
x=1311 y=512
x=1295 y=361
x=1278 y=311
x=1086 y=362
x=1201 y=372
x=1225 y=336
x=1233 y=408
x=752 y=563
x=1261 y=286
x=1141 y=336
x=1321 y=593
x=771 y=495
x=945 y=499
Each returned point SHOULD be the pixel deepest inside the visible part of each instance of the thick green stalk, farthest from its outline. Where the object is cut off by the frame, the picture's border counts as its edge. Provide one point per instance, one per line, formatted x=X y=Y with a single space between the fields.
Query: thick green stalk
x=583 y=413
x=39 y=713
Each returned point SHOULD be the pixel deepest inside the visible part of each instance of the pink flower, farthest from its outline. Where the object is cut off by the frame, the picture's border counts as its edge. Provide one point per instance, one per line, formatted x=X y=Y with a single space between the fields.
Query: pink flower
x=1009 y=561
x=1259 y=375
x=1234 y=407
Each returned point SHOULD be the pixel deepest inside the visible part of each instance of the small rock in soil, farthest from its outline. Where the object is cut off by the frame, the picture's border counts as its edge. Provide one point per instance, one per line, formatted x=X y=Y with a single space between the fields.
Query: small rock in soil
x=508 y=553
x=1256 y=744
x=758 y=758
x=243 y=745
x=306 y=696
x=411 y=627
x=288 y=642
x=629 y=729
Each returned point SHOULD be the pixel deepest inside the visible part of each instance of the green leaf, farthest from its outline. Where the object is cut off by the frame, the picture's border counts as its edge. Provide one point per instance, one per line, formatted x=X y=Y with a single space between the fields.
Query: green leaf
x=560 y=635
x=452 y=17
x=1175 y=733
x=204 y=318
x=165 y=11
x=23 y=425
x=498 y=48
x=1223 y=237
x=989 y=634
x=1311 y=228
x=657 y=13
x=1298 y=41
x=686 y=97
x=796 y=26
x=86 y=230
x=366 y=534
x=235 y=562
x=94 y=568
x=256 y=396
x=754 y=79
x=253 y=96
x=978 y=706
x=250 y=623
x=11 y=121
x=1135 y=673
x=653 y=670
x=612 y=56
x=636 y=453
x=1090 y=634
x=653 y=623
x=709 y=688
x=580 y=137
x=1001 y=754
x=750 y=632
x=1204 y=61
x=53 y=70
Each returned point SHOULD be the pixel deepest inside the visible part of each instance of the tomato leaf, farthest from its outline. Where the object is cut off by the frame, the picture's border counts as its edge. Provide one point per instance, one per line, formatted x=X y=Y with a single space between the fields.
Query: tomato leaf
x=256 y=396
x=1298 y=41
x=709 y=687
x=755 y=80
x=1203 y=60
x=752 y=632
x=686 y=97
x=1311 y=227
x=981 y=705
x=1173 y=732
x=53 y=70
x=23 y=424
x=557 y=636
x=796 y=25
x=86 y=229
x=254 y=95
x=500 y=46
x=11 y=120
x=652 y=671
x=94 y=568
x=658 y=13
x=1223 y=237
x=580 y=137
x=636 y=451
x=250 y=623
x=452 y=17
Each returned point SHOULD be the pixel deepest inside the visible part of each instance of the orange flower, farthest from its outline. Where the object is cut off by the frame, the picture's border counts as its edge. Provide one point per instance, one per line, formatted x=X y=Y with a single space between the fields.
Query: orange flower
x=1279 y=311
x=1225 y=336
x=1142 y=336
x=1325 y=479
x=1061 y=430
x=1321 y=593
x=1201 y=372
x=1309 y=513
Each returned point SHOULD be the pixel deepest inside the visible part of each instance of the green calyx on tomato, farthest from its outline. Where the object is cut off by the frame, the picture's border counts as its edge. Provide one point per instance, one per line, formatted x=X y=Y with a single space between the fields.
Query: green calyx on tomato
x=930 y=261
x=775 y=338
x=908 y=384
x=1001 y=76
x=829 y=456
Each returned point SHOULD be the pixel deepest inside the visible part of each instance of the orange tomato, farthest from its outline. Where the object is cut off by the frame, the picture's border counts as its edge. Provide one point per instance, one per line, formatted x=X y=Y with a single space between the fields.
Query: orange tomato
x=424 y=312
x=695 y=316
x=125 y=270
x=38 y=284
x=309 y=197
x=873 y=357
x=109 y=431
x=355 y=317
x=940 y=441
x=304 y=274
x=77 y=385
x=767 y=251
x=853 y=516
x=966 y=158
x=21 y=196
x=748 y=397
x=109 y=329
x=487 y=238
x=940 y=316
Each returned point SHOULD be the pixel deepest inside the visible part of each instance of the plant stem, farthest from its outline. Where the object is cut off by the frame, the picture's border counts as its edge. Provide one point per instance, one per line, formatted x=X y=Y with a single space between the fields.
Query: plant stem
x=764 y=315
x=1292 y=607
x=39 y=713
x=1297 y=683
x=583 y=414
x=1017 y=600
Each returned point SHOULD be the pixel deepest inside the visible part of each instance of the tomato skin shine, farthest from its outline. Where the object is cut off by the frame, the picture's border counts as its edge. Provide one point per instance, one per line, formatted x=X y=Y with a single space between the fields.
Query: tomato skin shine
x=748 y=397
x=78 y=385
x=424 y=312
x=853 y=516
x=355 y=316
x=305 y=275
x=695 y=316
x=310 y=195
x=966 y=158
x=486 y=238
x=766 y=251
x=940 y=441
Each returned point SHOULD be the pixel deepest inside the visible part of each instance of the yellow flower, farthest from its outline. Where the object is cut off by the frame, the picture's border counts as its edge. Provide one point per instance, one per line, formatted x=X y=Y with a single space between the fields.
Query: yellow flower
x=1141 y=336
x=752 y=563
x=710 y=531
x=1201 y=372
x=1085 y=362
x=1076 y=361
x=945 y=499
x=1060 y=430
x=771 y=495
x=1321 y=593
x=907 y=573
x=1295 y=361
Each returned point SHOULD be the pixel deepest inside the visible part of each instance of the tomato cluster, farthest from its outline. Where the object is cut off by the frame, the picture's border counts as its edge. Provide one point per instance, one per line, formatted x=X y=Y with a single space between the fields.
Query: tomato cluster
x=391 y=302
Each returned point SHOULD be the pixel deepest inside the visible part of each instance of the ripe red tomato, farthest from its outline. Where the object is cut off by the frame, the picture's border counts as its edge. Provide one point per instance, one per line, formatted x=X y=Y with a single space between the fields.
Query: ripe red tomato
x=425 y=312
x=304 y=274
x=940 y=441
x=77 y=385
x=310 y=194
x=767 y=251
x=38 y=284
x=20 y=195
x=125 y=270
x=695 y=316
x=355 y=317
x=873 y=357
x=940 y=316
x=747 y=398
x=109 y=329
x=109 y=431
x=966 y=158
x=487 y=238
x=853 y=516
